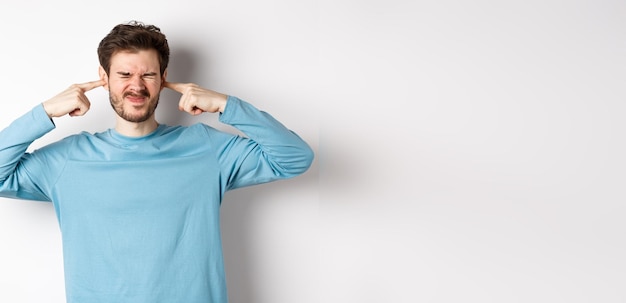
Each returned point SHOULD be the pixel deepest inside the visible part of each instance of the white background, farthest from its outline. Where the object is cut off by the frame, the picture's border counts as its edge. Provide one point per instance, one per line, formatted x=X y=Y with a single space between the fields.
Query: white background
x=467 y=151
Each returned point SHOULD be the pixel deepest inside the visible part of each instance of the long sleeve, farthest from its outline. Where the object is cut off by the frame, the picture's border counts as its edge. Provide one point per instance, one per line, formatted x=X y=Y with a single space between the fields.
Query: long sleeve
x=270 y=152
x=16 y=180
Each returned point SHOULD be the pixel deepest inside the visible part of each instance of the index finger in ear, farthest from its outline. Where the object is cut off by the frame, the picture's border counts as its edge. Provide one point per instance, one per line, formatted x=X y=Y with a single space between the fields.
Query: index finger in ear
x=90 y=85
x=179 y=87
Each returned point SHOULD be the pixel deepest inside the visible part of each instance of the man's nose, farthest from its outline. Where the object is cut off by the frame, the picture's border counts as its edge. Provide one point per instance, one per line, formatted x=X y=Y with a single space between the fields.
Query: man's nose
x=137 y=83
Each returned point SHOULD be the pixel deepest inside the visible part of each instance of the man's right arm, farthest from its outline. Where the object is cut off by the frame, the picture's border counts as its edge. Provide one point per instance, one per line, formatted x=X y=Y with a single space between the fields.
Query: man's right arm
x=21 y=173
x=15 y=179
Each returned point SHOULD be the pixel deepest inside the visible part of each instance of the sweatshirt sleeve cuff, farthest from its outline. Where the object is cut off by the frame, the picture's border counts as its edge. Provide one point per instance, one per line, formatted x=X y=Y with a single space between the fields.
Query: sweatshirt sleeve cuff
x=230 y=110
x=41 y=121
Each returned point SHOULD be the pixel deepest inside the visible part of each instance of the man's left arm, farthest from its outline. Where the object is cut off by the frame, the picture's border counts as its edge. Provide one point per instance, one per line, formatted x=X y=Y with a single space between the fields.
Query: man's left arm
x=271 y=151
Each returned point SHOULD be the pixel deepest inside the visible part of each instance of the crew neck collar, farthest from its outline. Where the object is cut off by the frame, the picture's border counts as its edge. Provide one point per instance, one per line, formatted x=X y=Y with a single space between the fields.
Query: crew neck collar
x=117 y=136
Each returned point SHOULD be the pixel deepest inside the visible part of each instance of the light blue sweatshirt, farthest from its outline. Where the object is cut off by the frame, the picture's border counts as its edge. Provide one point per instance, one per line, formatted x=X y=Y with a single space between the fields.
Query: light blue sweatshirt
x=139 y=217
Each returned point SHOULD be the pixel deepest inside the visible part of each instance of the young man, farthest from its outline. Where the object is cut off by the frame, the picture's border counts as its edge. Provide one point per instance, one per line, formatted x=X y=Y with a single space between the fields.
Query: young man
x=138 y=205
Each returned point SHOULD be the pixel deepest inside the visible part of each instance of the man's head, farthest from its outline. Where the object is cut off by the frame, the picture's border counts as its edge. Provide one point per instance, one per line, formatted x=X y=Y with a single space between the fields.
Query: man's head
x=133 y=64
x=132 y=37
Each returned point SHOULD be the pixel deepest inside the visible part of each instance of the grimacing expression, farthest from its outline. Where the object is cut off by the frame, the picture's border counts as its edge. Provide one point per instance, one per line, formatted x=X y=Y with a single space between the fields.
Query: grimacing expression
x=131 y=115
x=134 y=84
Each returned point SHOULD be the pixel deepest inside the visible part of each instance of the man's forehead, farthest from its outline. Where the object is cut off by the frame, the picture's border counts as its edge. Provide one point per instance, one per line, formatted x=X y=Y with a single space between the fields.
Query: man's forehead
x=144 y=60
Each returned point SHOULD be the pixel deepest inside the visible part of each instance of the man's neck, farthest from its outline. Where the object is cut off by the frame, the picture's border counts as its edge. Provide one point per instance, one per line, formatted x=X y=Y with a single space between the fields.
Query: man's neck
x=135 y=129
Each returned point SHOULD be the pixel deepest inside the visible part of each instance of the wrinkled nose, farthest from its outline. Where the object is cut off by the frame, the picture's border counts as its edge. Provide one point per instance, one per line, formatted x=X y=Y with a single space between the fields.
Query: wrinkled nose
x=136 y=84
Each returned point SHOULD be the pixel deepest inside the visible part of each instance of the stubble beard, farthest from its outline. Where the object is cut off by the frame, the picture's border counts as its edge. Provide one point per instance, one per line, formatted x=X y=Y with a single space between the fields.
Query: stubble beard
x=118 y=107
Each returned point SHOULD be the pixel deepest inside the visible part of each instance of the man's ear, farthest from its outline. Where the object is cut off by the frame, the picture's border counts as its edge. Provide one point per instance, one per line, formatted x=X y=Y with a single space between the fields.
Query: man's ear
x=104 y=77
x=163 y=79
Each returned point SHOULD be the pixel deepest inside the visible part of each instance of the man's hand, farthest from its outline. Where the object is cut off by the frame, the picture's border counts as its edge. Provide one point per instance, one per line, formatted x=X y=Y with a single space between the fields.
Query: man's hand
x=72 y=101
x=196 y=100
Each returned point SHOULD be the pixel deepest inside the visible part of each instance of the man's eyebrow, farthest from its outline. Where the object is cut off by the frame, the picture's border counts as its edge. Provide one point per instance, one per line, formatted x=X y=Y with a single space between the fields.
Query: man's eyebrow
x=148 y=74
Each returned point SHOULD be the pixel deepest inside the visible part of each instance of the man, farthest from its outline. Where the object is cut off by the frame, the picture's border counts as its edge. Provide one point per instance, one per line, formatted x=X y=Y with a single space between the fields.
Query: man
x=138 y=205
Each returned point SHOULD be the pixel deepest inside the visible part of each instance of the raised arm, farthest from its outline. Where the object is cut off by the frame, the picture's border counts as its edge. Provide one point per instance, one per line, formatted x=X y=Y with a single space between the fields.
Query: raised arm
x=20 y=172
x=270 y=152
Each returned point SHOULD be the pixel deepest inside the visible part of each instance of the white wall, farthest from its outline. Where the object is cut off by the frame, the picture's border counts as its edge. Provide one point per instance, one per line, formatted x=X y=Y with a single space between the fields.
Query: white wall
x=468 y=151
x=473 y=151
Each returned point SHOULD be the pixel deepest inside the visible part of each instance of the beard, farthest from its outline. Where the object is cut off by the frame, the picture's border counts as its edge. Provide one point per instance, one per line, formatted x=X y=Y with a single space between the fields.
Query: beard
x=118 y=105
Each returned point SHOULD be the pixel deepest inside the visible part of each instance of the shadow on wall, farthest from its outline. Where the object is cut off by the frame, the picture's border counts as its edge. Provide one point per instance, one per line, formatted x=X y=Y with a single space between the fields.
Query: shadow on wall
x=239 y=210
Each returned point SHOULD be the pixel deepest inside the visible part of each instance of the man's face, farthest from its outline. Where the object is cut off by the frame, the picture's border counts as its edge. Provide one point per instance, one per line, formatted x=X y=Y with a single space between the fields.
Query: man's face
x=134 y=84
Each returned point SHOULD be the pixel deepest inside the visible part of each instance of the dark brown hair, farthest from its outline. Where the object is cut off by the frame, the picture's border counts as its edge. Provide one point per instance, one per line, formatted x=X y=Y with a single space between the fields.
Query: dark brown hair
x=133 y=36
